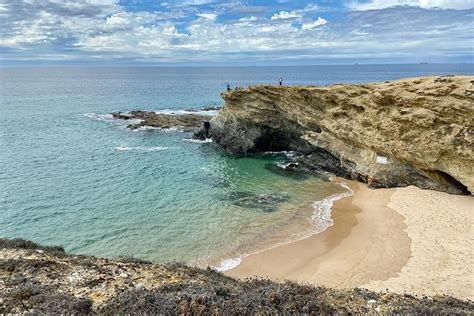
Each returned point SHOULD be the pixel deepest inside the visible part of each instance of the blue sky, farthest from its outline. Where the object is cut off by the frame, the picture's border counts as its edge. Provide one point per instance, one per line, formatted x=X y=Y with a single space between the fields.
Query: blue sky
x=236 y=32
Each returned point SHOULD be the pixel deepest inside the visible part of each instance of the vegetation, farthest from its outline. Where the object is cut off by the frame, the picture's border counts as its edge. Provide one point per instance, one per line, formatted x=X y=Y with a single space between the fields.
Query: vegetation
x=39 y=279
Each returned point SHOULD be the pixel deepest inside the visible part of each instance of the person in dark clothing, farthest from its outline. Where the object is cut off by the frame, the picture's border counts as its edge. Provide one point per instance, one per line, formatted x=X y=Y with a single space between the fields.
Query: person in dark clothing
x=207 y=125
x=280 y=81
x=228 y=86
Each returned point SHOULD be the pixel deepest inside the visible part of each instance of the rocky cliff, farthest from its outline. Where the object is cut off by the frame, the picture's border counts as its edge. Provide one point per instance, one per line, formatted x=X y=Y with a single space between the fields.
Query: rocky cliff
x=416 y=131
x=44 y=280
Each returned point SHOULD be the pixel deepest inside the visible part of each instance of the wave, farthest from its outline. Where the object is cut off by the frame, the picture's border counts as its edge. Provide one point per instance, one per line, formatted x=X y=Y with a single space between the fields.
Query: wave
x=285 y=165
x=289 y=154
x=146 y=128
x=142 y=149
x=320 y=220
x=229 y=264
x=151 y=128
x=199 y=141
x=99 y=117
x=181 y=112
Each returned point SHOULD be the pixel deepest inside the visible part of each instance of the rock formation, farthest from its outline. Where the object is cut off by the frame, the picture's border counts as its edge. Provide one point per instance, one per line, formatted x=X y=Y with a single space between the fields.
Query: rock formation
x=417 y=131
x=44 y=280
x=189 y=122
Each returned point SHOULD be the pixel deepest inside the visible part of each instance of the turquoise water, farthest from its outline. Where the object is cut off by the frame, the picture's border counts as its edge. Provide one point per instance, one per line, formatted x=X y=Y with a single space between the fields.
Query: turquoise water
x=71 y=175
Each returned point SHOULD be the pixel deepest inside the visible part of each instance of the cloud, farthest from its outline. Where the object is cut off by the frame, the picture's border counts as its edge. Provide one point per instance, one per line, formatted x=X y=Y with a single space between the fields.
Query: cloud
x=207 y=16
x=248 y=19
x=427 y=4
x=285 y=15
x=212 y=31
x=312 y=25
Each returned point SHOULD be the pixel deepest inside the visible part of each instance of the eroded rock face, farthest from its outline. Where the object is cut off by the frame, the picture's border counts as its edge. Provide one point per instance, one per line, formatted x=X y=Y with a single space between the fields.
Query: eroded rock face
x=416 y=131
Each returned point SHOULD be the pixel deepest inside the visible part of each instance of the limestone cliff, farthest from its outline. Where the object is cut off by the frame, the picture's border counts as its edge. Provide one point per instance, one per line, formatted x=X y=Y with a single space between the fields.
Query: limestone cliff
x=413 y=131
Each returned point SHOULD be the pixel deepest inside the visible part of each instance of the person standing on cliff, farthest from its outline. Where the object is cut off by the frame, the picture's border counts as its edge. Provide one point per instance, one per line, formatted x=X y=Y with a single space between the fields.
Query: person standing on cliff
x=228 y=86
x=280 y=81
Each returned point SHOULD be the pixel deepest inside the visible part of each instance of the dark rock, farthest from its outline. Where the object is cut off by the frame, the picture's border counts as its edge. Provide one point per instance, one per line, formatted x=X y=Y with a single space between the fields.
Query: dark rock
x=121 y=116
x=242 y=138
x=292 y=170
x=321 y=161
x=186 y=122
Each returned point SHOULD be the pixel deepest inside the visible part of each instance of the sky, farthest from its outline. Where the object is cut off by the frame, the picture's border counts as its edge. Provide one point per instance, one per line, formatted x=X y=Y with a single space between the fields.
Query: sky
x=235 y=32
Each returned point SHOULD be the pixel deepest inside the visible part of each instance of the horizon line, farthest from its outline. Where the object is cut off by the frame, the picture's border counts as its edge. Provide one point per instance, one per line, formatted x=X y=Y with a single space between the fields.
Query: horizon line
x=88 y=64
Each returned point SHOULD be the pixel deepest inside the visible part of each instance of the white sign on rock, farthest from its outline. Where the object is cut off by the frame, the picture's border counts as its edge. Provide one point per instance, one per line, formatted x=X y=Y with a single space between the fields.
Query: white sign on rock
x=382 y=160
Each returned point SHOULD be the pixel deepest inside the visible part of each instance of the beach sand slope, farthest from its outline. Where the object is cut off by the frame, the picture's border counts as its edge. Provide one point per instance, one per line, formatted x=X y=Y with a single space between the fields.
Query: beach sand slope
x=405 y=240
x=441 y=227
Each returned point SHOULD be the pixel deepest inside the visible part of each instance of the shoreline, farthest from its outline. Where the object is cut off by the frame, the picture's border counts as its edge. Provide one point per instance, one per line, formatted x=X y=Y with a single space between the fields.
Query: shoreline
x=376 y=244
x=321 y=213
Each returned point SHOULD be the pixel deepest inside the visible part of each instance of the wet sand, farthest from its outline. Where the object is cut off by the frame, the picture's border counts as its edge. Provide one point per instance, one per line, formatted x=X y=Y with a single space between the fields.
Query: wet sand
x=375 y=245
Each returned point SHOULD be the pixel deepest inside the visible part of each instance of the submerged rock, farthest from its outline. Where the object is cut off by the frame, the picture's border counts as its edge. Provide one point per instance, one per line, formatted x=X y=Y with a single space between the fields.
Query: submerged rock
x=291 y=170
x=417 y=131
x=187 y=122
x=266 y=202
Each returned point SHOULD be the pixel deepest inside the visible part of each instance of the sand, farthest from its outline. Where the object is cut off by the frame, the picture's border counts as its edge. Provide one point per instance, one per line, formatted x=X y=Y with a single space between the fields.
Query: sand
x=405 y=240
x=441 y=227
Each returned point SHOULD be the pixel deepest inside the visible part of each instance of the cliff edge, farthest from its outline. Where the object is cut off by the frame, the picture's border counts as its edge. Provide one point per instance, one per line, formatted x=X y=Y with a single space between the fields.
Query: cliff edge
x=416 y=131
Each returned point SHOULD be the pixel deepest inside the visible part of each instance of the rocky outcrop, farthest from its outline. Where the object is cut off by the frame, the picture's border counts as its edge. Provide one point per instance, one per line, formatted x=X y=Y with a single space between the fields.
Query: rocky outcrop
x=45 y=280
x=188 y=122
x=417 y=131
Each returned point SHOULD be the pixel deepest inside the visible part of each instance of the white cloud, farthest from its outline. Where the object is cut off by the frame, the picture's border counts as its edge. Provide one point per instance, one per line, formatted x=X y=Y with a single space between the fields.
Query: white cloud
x=447 y=4
x=42 y=29
x=207 y=16
x=119 y=19
x=427 y=4
x=248 y=19
x=285 y=15
x=312 y=25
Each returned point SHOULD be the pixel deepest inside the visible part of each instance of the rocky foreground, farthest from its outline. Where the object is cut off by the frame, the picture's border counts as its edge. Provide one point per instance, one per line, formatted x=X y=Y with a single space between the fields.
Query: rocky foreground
x=417 y=131
x=39 y=279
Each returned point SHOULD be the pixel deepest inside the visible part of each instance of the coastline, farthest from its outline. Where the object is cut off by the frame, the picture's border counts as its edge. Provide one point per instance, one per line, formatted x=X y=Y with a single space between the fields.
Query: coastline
x=320 y=220
x=381 y=239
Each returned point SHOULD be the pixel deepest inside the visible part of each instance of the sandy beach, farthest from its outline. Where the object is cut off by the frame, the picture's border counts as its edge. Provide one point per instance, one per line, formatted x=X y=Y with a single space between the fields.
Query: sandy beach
x=406 y=240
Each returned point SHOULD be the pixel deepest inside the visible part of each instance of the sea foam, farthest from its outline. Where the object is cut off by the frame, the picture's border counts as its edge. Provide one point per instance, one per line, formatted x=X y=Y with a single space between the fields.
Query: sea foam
x=321 y=218
x=99 y=117
x=142 y=149
x=199 y=141
x=228 y=264
x=181 y=112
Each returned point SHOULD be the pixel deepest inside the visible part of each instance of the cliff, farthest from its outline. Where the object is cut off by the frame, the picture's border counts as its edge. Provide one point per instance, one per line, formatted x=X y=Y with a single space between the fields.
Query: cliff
x=45 y=280
x=417 y=131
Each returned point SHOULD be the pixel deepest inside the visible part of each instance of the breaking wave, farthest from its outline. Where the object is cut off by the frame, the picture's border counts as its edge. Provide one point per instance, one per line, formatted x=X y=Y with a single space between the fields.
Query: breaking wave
x=99 y=117
x=142 y=149
x=199 y=141
x=321 y=218
x=181 y=112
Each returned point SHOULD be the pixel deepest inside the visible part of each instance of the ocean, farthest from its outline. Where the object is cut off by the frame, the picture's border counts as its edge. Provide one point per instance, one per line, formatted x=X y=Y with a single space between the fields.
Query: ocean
x=72 y=176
